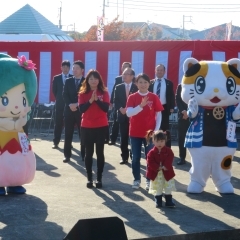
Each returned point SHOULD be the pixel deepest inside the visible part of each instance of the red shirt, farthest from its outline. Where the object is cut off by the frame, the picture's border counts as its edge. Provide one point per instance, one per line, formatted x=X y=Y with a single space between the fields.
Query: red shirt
x=94 y=117
x=146 y=119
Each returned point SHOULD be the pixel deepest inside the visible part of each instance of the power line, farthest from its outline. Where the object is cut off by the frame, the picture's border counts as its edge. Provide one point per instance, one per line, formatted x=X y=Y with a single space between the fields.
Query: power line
x=223 y=10
x=198 y=8
x=193 y=4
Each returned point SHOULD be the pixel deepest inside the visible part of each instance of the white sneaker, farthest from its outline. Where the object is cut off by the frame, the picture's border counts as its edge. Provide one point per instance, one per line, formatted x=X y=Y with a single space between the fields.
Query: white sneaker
x=136 y=184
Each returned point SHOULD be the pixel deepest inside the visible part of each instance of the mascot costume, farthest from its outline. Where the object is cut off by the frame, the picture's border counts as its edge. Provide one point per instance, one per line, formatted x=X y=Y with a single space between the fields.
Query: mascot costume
x=212 y=91
x=18 y=88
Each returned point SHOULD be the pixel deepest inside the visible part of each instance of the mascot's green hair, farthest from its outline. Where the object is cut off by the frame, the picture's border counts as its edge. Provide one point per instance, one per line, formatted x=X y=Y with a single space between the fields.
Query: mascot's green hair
x=12 y=74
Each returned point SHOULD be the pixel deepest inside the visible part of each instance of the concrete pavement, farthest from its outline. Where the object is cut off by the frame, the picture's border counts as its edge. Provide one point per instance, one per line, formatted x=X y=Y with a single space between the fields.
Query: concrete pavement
x=57 y=198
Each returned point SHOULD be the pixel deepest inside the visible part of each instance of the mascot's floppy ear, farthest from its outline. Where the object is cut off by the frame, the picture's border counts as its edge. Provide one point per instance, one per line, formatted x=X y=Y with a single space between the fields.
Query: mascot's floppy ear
x=235 y=62
x=188 y=63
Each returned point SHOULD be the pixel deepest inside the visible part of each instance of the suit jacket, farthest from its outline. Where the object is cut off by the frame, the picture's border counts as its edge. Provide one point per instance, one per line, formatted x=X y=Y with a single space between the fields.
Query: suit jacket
x=118 y=80
x=120 y=99
x=181 y=105
x=57 y=90
x=70 y=93
x=170 y=97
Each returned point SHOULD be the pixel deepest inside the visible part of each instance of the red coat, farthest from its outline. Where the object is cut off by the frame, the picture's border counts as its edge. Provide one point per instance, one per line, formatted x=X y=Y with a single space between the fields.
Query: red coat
x=154 y=158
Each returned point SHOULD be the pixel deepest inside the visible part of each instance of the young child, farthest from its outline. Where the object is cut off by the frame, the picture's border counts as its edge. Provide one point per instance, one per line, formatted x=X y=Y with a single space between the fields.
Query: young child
x=160 y=170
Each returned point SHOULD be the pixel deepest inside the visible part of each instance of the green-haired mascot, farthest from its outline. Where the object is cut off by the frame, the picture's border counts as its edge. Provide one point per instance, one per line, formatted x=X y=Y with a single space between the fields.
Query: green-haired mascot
x=18 y=88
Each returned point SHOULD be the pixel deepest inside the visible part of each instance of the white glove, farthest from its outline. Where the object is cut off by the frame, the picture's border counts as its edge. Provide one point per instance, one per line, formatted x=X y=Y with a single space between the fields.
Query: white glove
x=236 y=113
x=192 y=108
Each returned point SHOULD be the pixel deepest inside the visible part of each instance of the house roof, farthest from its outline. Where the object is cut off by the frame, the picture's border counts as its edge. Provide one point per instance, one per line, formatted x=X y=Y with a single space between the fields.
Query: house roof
x=29 y=21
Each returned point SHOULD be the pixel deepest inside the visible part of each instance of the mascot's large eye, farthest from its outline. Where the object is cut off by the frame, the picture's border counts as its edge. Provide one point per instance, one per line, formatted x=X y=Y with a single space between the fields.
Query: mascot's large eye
x=200 y=85
x=24 y=102
x=231 y=85
x=5 y=101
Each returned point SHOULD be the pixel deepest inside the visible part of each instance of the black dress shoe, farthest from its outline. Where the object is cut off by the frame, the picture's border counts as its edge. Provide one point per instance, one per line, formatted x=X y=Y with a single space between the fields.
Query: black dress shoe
x=54 y=146
x=65 y=160
x=123 y=162
x=98 y=184
x=181 y=162
x=89 y=184
x=111 y=143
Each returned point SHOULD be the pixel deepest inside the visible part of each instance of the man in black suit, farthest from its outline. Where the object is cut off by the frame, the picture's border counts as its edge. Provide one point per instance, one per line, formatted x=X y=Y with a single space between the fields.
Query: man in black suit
x=164 y=89
x=72 y=115
x=115 y=126
x=183 y=125
x=121 y=93
x=57 y=89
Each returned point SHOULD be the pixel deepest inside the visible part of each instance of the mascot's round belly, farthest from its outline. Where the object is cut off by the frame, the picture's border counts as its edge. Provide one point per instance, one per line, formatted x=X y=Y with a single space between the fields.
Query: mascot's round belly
x=17 y=169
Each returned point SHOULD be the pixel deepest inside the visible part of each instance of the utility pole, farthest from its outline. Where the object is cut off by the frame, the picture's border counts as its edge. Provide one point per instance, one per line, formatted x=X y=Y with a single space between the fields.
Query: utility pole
x=103 y=11
x=189 y=20
x=60 y=16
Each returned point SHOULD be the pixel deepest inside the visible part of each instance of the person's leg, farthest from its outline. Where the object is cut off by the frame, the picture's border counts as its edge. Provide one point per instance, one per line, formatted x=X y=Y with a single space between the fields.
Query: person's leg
x=147 y=149
x=69 y=129
x=115 y=129
x=78 y=124
x=100 y=163
x=58 y=125
x=182 y=130
x=136 y=145
x=165 y=125
x=88 y=163
x=124 y=129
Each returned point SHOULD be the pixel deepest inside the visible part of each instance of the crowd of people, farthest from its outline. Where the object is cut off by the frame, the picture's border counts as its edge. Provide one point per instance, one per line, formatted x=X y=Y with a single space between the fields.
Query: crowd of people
x=140 y=107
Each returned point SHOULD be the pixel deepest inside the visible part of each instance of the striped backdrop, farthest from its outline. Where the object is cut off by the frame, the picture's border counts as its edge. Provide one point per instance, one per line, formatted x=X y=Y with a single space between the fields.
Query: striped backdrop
x=107 y=57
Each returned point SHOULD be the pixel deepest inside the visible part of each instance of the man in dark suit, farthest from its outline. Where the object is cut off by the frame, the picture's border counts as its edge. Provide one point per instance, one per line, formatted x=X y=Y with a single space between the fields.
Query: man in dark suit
x=121 y=93
x=183 y=125
x=72 y=115
x=115 y=125
x=164 y=89
x=57 y=89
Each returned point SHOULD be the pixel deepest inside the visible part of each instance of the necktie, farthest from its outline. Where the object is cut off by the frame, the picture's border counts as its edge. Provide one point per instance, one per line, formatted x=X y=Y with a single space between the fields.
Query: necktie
x=158 y=88
x=127 y=90
x=64 y=79
x=77 y=83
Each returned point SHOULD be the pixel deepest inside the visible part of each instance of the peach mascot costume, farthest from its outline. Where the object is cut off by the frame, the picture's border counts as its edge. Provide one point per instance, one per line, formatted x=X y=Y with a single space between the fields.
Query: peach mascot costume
x=212 y=91
x=18 y=88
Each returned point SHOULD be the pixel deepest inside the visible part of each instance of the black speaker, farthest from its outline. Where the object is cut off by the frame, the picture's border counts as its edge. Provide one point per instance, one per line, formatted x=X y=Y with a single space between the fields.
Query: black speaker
x=109 y=228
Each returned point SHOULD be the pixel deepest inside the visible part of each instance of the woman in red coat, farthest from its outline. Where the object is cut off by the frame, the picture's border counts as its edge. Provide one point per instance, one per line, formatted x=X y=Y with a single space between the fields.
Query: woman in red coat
x=160 y=170
x=94 y=102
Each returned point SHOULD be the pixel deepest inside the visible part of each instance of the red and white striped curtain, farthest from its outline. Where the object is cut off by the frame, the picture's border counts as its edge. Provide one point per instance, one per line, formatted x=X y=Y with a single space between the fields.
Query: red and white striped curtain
x=107 y=57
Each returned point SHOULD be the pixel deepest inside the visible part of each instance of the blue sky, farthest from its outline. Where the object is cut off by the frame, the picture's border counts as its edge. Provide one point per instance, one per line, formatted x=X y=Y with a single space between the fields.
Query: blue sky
x=169 y=12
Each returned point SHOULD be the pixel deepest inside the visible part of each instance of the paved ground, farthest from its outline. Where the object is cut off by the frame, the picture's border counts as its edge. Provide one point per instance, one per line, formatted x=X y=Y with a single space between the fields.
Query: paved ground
x=57 y=198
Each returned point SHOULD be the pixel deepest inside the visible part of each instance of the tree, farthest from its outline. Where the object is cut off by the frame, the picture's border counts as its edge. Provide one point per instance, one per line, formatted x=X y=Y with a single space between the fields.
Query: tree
x=113 y=31
x=216 y=33
x=77 y=35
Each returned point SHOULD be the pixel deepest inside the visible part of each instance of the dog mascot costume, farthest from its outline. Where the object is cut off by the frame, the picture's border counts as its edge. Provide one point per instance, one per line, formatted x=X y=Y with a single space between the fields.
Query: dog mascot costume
x=212 y=91
x=18 y=88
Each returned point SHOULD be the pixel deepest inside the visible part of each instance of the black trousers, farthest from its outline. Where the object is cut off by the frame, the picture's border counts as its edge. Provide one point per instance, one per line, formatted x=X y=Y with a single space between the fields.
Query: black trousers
x=165 y=124
x=89 y=160
x=124 y=132
x=70 y=121
x=115 y=128
x=58 y=124
x=183 y=126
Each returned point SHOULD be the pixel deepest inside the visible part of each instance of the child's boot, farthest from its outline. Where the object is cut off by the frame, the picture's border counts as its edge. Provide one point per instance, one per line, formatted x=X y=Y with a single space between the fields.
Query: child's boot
x=169 y=202
x=158 y=201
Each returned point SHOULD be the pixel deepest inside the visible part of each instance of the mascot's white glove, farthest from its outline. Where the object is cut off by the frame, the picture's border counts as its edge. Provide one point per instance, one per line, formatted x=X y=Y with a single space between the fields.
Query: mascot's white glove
x=236 y=113
x=192 y=108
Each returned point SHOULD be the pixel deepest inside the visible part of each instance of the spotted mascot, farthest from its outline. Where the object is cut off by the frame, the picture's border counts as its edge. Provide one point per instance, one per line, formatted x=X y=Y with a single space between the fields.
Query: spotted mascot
x=212 y=91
